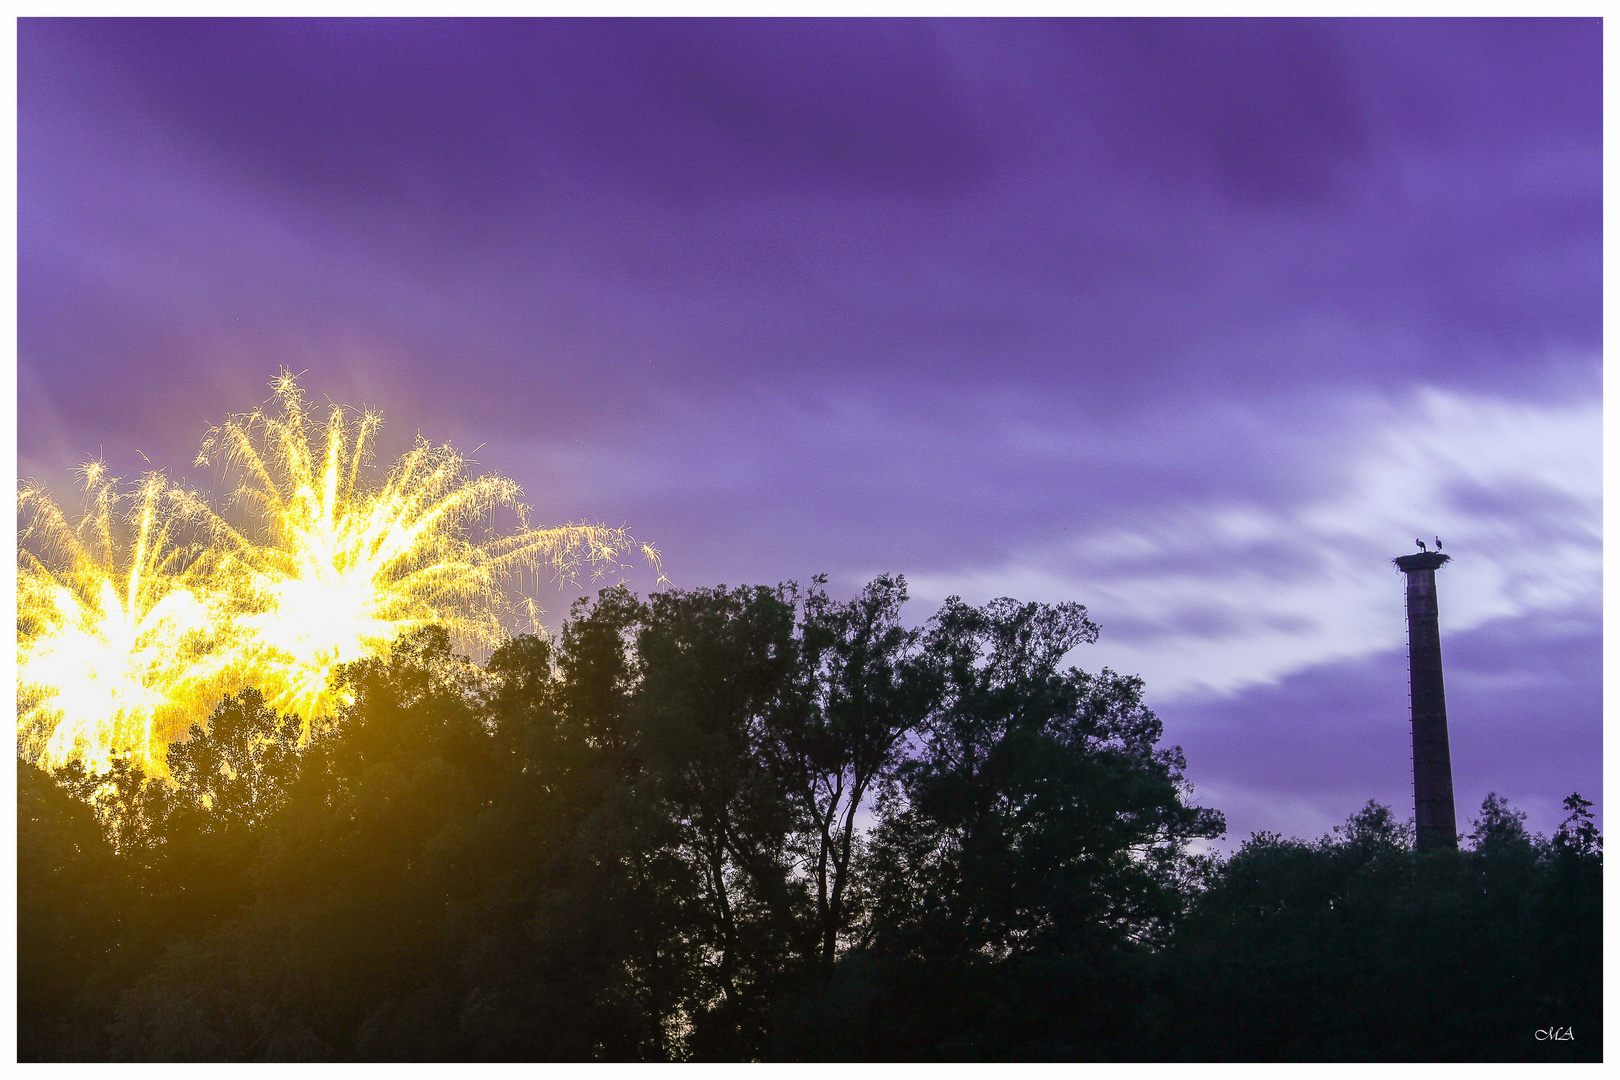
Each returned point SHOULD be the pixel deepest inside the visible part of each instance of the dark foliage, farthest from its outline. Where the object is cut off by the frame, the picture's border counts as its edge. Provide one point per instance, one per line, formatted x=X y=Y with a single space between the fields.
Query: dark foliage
x=70 y=898
x=746 y=823
x=1355 y=948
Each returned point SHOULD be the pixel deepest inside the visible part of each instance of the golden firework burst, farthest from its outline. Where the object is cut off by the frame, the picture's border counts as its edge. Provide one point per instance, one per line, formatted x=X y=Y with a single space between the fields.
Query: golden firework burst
x=120 y=634
x=335 y=569
x=123 y=646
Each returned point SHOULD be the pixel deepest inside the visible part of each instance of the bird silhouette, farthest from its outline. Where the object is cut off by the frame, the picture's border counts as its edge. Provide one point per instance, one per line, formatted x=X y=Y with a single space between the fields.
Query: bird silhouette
x=1437 y=546
x=1421 y=544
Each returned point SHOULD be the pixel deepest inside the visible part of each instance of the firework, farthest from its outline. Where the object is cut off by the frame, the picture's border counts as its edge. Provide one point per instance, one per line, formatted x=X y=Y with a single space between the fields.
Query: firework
x=122 y=649
x=334 y=569
x=120 y=636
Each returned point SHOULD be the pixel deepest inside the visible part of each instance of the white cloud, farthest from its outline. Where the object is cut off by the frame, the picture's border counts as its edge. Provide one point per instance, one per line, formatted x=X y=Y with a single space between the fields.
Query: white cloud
x=1218 y=597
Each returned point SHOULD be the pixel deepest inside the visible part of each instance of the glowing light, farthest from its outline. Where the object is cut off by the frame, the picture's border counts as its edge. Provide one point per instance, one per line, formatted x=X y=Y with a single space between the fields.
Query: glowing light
x=121 y=650
x=118 y=641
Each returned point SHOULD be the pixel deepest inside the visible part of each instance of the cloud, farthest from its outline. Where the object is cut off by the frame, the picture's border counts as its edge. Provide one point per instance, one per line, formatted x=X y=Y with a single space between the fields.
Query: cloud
x=1224 y=595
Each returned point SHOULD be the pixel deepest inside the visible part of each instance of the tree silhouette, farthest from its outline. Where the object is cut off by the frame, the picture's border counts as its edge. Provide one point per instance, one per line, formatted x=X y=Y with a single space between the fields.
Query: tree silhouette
x=754 y=823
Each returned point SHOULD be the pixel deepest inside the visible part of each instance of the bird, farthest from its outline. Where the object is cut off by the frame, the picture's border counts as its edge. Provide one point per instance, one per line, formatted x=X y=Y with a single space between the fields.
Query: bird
x=1421 y=545
x=1437 y=546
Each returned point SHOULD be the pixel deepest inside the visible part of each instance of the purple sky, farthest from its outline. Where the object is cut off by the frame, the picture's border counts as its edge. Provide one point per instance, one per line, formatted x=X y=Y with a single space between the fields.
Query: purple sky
x=1198 y=323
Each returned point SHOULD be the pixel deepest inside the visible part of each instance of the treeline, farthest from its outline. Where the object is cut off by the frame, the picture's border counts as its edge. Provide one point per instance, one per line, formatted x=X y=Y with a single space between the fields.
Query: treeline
x=758 y=824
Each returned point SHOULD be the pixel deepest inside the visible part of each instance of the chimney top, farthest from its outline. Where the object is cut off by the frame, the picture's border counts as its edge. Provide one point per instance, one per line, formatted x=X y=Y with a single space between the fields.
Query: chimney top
x=1423 y=560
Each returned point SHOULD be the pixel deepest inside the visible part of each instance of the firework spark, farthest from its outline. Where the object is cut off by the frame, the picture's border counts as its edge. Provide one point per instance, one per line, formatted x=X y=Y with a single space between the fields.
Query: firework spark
x=120 y=650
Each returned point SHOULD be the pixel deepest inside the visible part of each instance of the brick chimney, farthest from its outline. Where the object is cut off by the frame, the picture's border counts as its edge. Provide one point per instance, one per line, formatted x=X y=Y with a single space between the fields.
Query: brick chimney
x=1431 y=746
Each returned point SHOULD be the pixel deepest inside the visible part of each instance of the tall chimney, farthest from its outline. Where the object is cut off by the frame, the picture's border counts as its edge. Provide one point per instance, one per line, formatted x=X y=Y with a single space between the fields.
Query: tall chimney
x=1431 y=747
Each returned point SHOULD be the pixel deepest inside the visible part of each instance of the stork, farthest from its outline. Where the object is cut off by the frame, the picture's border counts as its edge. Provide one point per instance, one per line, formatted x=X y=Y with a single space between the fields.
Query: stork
x=1421 y=545
x=1437 y=545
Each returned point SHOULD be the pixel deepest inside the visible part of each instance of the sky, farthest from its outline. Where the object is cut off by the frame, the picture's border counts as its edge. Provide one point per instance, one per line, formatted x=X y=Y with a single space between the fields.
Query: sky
x=1198 y=323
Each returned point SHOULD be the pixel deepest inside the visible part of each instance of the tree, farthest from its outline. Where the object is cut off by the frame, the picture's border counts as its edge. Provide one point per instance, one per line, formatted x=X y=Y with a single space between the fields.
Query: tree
x=716 y=667
x=1356 y=947
x=1029 y=851
x=1040 y=815
x=227 y=778
x=867 y=686
x=609 y=903
x=71 y=898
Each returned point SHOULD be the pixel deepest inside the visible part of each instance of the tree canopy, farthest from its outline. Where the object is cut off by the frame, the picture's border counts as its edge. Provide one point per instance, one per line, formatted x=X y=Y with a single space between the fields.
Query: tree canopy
x=761 y=823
